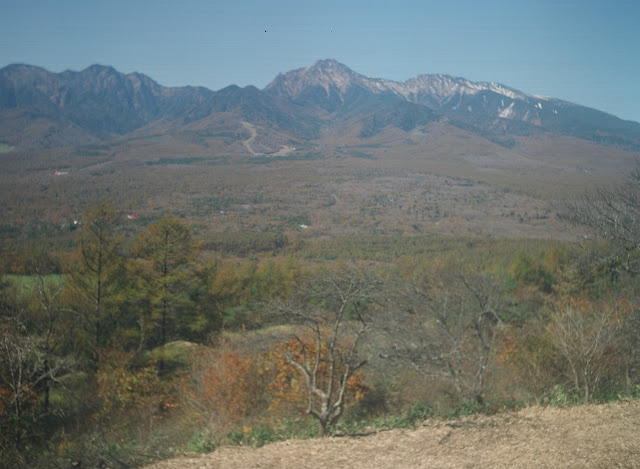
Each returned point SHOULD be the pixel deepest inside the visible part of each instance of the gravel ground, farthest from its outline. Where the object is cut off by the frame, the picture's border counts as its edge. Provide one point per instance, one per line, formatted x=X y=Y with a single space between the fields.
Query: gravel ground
x=593 y=436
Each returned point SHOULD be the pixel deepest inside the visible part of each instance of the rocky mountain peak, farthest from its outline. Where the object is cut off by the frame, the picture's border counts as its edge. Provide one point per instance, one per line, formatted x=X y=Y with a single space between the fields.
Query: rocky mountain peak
x=328 y=74
x=330 y=64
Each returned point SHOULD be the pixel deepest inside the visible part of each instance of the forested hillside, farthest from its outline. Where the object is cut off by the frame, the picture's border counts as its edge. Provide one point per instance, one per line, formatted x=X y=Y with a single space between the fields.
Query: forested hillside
x=134 y=344
x=183 y=269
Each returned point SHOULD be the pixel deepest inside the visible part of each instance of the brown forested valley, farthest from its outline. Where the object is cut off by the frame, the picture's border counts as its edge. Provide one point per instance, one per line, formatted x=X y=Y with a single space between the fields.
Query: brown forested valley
x=305 y=302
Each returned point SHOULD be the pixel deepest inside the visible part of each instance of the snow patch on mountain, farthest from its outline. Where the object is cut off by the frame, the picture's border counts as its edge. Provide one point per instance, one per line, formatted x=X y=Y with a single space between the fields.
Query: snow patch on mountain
x=435 y=88
x=508 y=112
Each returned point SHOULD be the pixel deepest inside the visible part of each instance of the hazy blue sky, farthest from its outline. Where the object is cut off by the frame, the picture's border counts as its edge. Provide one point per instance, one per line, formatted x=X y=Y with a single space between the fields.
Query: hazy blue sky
x=583 y=51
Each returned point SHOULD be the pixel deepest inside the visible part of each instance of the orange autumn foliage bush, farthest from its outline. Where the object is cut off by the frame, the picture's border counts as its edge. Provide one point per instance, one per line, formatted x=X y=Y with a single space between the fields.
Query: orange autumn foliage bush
x=288 y=385
x=229 y=382
x=123 y=387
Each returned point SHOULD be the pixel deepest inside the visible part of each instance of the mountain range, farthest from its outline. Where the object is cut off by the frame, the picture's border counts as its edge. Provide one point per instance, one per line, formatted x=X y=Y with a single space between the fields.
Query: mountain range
x=325 y=102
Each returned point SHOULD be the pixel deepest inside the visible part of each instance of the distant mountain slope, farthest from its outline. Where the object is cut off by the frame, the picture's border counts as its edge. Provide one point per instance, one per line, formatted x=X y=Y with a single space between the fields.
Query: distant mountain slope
x=96 y=104
x=40 y=109
x=491 y=109
x=254 y=106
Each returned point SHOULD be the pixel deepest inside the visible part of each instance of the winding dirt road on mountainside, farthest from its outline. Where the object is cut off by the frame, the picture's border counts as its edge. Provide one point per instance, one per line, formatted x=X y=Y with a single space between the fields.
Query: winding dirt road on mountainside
x=253 y=133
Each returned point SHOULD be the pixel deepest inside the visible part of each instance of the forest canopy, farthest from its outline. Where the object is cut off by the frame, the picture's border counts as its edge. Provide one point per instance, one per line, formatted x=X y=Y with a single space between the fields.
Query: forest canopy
x=164 y=334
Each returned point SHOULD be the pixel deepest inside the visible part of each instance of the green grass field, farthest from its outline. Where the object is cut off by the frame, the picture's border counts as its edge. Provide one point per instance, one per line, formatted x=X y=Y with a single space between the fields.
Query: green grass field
x=26 y=283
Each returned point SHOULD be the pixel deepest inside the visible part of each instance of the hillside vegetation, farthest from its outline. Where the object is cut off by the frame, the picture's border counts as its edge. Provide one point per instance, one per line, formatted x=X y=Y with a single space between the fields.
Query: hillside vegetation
x=198 y=270
x=138 y=345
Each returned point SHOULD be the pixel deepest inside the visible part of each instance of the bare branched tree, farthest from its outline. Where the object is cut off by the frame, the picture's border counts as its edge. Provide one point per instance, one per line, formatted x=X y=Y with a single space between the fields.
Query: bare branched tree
x=47 y=293
x=613 y=215
x=448 y=328
x=584 y=335
x=27 y=369
x=628 y=341
x=335 y=310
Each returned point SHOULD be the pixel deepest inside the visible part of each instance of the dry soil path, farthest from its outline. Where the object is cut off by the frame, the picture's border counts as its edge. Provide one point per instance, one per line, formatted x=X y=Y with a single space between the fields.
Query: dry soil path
x=595 y=436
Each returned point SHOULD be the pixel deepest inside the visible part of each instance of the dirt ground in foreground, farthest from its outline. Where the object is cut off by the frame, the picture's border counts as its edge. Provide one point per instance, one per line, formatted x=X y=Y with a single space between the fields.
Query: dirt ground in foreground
x=594 y=436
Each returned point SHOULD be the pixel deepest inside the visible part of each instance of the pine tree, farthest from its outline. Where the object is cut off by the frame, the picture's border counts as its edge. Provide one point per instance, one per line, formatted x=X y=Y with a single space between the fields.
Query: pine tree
x=166 y=250
x=96 y=273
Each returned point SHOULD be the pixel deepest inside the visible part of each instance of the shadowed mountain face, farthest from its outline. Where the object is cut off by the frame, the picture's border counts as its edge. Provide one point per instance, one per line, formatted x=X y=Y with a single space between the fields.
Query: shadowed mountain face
x=40 y=109
x=97 y=104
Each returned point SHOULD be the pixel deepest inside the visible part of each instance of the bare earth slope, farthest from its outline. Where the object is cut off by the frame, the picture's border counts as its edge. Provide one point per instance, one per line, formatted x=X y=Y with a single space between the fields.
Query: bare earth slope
x=594 y=436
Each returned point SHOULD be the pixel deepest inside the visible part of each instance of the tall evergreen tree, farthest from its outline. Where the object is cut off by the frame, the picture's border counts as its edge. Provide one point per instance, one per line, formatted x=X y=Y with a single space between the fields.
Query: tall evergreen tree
x=167 y=249
x=95 y=274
